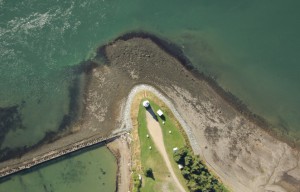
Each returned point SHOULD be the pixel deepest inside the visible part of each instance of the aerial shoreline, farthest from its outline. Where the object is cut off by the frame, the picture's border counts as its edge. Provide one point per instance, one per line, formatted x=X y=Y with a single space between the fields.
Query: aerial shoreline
x=226 y=134
x=175 y=51
x=51 y=155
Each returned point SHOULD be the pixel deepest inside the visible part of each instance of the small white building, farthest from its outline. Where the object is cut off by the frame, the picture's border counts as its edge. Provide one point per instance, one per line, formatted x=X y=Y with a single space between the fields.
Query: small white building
x=146 y=103
x=180 y=166
x=159 y=112
x=175 y=149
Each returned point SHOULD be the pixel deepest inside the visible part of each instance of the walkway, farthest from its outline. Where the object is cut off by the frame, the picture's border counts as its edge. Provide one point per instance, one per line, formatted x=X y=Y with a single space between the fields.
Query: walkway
x=157 y=137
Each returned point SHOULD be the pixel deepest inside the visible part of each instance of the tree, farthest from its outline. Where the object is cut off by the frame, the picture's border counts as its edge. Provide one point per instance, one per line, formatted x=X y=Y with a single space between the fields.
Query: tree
x=149 y=173
x=188 y=161
x=198 y=178
x=137 y=183
x=185 y=173
x=180 y=155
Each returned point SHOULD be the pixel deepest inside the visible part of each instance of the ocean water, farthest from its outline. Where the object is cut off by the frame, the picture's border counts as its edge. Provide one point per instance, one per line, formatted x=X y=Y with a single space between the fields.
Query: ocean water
x=91 y=170
x=250 y=47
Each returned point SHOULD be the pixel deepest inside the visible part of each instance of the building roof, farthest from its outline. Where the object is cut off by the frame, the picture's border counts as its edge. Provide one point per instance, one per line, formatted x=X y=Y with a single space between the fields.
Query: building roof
x=180 y=166
x=146 y=103
x=159 y=112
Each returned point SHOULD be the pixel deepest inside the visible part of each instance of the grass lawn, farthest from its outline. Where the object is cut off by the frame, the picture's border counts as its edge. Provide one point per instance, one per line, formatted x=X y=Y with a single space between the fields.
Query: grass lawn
x=173 y=139
x=173 y=135
x=151 y=159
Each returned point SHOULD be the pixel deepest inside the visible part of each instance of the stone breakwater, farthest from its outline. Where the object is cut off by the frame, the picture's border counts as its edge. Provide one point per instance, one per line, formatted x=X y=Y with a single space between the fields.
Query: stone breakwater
x=236 y=147
x=96 y=139
x=143 y=87
x=56 y=153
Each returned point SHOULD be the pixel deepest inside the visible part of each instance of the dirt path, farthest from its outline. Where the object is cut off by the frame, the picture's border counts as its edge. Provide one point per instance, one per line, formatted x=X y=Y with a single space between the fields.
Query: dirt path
x=121 y=150
x=156 y=135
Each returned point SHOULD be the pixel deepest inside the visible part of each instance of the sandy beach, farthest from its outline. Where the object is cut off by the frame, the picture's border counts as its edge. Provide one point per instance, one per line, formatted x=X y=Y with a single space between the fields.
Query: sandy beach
x=232 y=142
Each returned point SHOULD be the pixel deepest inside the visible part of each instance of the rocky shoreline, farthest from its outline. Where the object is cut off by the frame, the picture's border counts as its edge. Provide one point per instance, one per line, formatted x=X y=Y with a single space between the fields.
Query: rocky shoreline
x=234 y=142
x=175 y=51
x=55 y=154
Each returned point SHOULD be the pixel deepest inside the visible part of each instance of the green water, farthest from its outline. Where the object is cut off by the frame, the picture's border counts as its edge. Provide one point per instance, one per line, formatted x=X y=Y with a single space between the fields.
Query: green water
x=251 y=47
x=92 y=170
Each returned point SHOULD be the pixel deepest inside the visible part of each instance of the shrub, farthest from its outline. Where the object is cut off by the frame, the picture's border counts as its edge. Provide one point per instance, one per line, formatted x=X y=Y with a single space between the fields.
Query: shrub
x=198 y=178
x=137 y=183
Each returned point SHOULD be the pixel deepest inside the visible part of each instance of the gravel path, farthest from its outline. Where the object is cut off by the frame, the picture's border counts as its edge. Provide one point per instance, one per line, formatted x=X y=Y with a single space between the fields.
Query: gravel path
x=157 y=136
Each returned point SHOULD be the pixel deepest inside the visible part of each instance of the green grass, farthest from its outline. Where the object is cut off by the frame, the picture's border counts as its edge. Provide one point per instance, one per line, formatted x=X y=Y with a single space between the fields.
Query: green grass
x=178 y=138
x=150 y=158
x=175 y=139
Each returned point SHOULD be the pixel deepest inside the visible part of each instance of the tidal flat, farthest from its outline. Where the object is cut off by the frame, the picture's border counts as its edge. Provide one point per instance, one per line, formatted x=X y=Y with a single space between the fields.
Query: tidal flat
x=235 y=143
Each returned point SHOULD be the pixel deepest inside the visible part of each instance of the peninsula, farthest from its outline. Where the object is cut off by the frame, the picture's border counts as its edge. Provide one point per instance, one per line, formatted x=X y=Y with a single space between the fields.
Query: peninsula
x=236 y=144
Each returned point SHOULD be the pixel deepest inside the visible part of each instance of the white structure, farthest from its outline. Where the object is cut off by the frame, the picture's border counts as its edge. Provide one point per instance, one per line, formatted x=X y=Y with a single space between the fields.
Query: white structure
x=180 y=166
x=146 y=103
x=175 y=149
x=159 y=112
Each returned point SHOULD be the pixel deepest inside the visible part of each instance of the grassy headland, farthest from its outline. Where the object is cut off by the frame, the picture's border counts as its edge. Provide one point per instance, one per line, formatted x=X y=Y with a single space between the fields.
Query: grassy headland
x=194 y=176
x=149 y=158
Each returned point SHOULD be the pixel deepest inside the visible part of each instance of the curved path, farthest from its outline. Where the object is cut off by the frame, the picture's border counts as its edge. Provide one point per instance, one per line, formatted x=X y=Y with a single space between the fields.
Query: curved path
x=156 y=135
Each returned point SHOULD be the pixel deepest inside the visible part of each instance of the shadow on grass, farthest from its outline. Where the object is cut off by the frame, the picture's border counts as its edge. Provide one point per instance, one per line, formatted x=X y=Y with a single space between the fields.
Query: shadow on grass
x=163 y=117
x=150 y=110
x=150 y=175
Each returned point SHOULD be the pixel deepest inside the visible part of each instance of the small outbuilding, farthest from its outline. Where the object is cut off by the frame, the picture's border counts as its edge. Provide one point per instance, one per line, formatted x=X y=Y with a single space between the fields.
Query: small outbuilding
x=160 y=113
x=146 y=103
x=180 y=166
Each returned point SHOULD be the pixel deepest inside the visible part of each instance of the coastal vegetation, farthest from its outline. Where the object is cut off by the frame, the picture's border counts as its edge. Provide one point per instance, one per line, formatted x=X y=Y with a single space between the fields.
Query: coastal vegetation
x=197 y=177
x=194 y=176
x=137 y=183
x=196 y=173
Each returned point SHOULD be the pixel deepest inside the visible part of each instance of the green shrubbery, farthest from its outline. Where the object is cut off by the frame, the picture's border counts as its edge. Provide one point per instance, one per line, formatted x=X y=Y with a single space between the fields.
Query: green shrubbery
x=195 y=172
x=137 y=183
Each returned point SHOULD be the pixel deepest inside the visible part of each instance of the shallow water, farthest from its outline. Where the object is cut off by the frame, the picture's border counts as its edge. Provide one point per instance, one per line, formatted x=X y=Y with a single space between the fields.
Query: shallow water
x=251 y=47
x=90 y=170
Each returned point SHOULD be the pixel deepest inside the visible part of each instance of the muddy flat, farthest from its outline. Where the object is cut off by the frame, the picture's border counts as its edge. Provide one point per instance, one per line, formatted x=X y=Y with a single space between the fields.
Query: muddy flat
x=232 y=143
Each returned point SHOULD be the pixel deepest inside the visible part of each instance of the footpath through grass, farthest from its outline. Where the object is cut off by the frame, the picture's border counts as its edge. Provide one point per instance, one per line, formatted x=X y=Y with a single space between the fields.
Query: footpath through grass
x=151 y=158
x=173 y=137
x=194 y=173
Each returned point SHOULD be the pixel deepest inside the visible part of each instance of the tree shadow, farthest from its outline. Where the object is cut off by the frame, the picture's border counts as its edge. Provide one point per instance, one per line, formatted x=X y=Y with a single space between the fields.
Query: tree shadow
x=163 y=117
x=152 y=113
x=149 y=174
x=152 y=176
